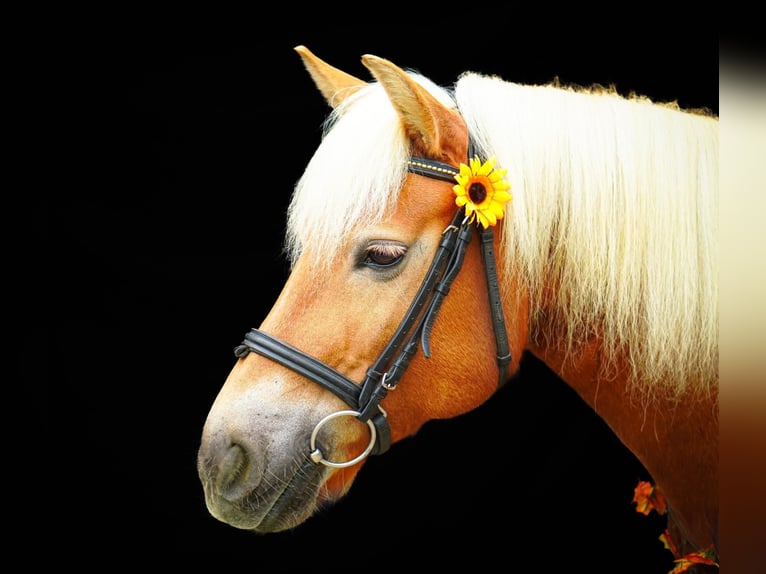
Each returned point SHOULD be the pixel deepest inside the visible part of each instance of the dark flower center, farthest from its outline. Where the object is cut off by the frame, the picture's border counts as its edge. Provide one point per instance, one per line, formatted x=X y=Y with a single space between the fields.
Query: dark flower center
x=477 y=192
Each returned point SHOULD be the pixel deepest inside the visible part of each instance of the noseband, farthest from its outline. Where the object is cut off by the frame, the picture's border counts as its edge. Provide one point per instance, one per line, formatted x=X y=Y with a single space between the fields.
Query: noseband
x=384 y=374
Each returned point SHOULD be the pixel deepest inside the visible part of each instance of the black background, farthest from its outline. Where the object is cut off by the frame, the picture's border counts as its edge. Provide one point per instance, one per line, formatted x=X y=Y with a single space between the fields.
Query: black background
x=167 y=249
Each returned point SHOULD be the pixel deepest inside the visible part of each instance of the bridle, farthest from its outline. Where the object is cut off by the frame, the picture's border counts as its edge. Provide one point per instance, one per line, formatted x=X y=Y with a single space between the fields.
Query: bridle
x=384 y=374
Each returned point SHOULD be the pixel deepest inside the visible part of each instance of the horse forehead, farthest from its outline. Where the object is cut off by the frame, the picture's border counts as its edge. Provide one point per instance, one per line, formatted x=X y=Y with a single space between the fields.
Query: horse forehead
x=423 y=199
x=423 y=209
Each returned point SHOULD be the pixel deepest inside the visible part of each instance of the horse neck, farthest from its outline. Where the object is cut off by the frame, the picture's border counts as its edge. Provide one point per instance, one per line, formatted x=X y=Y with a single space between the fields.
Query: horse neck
x=675 y=438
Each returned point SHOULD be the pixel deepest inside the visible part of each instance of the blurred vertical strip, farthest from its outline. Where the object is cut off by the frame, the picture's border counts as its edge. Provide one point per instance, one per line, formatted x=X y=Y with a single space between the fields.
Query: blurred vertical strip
x=742 y=317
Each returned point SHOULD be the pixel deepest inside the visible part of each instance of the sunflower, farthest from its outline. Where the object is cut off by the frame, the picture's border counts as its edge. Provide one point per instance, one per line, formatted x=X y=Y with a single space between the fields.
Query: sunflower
x=483 y=191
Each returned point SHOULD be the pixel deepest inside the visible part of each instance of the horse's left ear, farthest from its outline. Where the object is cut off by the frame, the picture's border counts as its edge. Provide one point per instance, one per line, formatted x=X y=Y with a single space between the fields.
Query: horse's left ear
x=335 y=85
x=434 y=130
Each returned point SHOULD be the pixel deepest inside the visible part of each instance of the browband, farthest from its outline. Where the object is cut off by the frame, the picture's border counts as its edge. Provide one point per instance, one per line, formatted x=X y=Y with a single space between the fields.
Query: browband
x=432 y=168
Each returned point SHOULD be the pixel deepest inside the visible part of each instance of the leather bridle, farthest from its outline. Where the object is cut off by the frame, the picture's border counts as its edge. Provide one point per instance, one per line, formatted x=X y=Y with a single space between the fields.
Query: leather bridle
x=384 y=374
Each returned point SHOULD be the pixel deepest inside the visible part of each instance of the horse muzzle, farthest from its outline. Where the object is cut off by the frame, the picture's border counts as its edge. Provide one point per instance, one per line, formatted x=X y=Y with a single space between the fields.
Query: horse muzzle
x=269 y=471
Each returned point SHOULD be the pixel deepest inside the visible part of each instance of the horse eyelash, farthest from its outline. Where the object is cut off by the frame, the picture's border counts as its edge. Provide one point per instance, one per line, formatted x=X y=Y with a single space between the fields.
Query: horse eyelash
x=383 y=249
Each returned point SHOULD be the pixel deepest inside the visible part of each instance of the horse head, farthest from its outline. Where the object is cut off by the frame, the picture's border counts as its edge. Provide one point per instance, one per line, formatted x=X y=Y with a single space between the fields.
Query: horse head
x=276 y=446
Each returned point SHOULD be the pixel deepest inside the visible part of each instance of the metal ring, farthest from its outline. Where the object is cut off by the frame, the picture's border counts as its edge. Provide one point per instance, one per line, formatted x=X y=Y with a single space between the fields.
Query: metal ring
x=318 y=457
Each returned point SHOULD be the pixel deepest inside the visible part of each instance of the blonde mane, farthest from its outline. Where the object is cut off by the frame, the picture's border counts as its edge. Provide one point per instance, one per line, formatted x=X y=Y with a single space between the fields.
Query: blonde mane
x=614 y=203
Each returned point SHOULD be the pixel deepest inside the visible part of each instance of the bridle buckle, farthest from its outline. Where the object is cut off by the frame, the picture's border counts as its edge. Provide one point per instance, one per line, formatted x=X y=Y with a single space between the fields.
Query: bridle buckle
x=385 y=385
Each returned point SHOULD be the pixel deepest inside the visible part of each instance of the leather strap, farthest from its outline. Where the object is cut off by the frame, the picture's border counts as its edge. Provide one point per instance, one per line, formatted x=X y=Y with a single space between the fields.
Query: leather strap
x=442 y=288
x=432 y=168
x=300 y=362
x=374 y=387
x=304 y=364
x=495 y=303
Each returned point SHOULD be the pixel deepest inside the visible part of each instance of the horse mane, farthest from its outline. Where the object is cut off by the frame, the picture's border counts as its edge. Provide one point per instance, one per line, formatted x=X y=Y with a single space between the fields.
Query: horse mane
x=614 y=203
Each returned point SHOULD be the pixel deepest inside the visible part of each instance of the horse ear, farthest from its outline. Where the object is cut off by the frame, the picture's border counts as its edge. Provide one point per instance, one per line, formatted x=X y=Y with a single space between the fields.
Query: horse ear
x=334 y=84
x=433 y=129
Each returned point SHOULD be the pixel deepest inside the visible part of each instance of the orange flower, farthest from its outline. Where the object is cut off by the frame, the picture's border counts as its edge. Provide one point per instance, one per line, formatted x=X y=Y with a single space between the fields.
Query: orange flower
x=668 y=543
x=707 y=557
x=648 y=497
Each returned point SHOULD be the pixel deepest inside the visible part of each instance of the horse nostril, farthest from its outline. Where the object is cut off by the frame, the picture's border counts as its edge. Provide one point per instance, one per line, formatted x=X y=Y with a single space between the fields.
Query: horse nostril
x=232 y=466
x=234 y=472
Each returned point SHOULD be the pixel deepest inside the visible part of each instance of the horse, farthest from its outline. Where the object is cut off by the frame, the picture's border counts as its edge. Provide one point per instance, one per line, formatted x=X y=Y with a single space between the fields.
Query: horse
x=435 y=236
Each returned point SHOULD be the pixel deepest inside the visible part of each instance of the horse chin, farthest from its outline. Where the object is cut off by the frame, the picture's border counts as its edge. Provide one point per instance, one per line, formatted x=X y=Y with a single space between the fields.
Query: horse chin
x=278 y=510
x=284 y=505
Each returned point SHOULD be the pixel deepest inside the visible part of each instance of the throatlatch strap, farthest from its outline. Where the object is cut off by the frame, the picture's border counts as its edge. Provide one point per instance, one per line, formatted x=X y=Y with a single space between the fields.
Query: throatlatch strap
x=495 y=303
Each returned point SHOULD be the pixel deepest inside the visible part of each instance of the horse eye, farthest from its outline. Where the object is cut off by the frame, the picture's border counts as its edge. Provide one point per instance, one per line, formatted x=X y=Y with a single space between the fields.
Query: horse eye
x=383 y=254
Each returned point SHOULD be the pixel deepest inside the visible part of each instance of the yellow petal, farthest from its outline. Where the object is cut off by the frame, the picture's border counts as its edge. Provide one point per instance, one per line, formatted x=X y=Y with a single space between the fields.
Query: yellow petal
x=484 y=169
x=498 y=210
x=497 y=175
x=501 y=196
